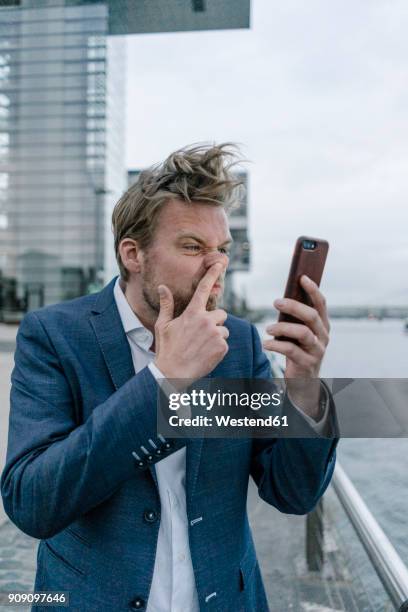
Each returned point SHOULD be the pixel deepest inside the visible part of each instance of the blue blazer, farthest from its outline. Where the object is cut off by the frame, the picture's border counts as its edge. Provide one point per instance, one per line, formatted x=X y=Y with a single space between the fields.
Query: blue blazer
x=78 y=411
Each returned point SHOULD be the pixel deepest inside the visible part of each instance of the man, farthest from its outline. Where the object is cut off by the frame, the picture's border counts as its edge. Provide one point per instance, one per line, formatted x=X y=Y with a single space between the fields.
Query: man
x=126 y=518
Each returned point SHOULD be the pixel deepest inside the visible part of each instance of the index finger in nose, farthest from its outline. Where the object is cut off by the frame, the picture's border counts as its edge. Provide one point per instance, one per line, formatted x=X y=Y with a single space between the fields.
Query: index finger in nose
x=216 y=257
x=203 y=290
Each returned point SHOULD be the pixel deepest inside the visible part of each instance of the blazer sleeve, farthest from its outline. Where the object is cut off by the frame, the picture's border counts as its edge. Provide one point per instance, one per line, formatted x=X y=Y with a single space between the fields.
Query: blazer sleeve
x=290 y=473
x=56 y=470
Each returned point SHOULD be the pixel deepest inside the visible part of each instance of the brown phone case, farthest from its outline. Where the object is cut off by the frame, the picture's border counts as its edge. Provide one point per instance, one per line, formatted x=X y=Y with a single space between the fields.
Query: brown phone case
x=309 y=261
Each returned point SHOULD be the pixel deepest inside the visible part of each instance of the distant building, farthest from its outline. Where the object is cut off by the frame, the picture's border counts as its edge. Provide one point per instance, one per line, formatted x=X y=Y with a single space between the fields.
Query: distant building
x=62 y=134
x=61 y=147
x=240 y=254
x=240 y=257
x=132 y=175
x=144 y=16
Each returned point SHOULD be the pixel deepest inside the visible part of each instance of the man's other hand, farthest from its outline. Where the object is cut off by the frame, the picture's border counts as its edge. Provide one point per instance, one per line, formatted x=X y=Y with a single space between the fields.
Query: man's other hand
x=303 y=360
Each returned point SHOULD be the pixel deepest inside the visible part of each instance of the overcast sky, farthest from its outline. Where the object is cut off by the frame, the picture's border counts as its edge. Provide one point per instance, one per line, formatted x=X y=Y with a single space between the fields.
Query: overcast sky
x=317 y=93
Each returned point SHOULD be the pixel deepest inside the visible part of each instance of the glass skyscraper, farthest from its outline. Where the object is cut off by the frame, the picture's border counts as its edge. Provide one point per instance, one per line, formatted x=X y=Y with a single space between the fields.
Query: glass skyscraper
x=62 y=164
x=62 y=167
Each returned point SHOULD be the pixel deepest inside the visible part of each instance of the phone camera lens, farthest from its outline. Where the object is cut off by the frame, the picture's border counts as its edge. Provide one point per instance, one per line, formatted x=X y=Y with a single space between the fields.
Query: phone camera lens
x=309 y=245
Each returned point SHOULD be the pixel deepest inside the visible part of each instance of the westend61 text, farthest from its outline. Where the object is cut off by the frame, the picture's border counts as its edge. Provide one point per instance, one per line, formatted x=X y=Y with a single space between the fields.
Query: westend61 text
x=228 y=421
x=206 y=400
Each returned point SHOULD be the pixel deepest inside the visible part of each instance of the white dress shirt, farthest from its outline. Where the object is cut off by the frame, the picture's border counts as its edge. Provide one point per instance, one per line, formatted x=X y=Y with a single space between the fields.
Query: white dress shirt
x=173 y=586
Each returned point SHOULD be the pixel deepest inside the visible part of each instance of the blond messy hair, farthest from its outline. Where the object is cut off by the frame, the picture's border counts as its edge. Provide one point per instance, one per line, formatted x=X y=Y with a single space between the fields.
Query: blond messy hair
x=197 y=173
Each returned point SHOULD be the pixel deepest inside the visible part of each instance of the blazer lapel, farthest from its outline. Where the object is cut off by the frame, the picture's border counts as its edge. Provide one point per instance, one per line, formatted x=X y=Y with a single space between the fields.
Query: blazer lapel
x=114 y=345
x=194 y=447
x=193 y=456
x=113 y=342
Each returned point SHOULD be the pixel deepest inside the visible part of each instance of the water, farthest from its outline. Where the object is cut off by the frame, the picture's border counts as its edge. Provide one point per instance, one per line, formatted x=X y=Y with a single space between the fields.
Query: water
x=377 y=467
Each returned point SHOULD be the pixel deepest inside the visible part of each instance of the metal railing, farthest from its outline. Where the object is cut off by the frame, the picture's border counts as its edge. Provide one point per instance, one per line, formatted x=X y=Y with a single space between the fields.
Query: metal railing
x=385 y=560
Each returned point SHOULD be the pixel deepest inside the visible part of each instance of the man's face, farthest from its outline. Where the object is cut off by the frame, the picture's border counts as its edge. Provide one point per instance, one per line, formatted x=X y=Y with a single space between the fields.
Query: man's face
x=189 y=238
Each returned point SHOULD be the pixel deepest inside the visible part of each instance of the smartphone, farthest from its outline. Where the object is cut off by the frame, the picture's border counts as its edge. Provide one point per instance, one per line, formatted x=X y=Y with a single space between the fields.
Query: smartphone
x=308 y=258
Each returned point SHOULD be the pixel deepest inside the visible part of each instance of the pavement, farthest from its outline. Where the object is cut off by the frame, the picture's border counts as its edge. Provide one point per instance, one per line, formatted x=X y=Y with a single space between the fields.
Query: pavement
x=17 y=550
x=18 y=562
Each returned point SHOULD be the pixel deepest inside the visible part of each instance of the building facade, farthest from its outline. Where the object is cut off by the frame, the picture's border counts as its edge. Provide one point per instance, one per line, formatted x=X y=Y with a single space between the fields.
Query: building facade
x=62 y=136
x=62 y=163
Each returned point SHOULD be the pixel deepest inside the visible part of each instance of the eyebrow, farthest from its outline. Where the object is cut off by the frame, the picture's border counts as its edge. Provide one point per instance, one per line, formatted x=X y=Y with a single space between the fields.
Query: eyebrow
x=200 y=240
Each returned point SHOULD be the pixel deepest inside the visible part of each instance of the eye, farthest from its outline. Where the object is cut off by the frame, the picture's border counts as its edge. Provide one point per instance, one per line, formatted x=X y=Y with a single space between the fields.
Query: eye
x=192 y=247
x=224 y=250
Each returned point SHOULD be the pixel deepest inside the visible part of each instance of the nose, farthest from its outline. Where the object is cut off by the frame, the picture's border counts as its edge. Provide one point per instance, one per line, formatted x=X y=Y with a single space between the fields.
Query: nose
x=216 y=257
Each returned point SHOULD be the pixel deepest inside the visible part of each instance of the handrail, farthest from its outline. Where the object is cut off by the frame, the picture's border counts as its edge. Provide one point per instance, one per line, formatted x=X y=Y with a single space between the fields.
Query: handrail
x=390 y=568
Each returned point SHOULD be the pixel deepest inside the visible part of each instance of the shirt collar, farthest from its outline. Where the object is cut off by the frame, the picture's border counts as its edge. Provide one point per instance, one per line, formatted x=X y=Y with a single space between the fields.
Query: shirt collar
x=132 y=325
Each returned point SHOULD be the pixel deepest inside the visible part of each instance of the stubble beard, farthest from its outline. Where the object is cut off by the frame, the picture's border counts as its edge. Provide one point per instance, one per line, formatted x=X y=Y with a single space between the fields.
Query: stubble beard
x=181 y=301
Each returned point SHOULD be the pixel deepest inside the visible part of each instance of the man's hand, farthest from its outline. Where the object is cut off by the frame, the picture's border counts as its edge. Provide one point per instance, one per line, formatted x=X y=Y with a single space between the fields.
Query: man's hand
x=191 y=345
x=303 y=361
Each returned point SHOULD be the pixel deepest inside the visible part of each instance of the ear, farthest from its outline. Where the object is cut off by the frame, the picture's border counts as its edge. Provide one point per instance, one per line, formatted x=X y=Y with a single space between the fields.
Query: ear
x=131 y=255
